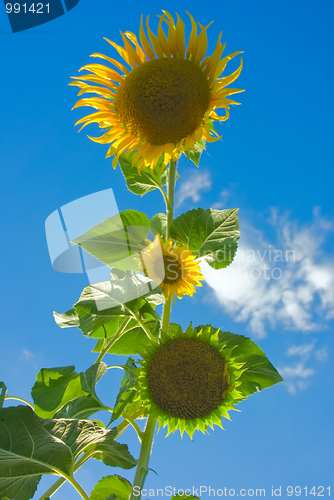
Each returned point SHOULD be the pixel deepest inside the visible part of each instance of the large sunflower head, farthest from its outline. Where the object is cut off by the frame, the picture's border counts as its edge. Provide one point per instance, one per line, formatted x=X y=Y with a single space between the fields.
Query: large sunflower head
x=189 y=380
x=173 y=267
x=163 y=100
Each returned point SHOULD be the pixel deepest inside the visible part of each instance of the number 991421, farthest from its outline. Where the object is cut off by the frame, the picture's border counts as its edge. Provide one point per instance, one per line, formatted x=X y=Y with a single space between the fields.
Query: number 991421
x=17 y=8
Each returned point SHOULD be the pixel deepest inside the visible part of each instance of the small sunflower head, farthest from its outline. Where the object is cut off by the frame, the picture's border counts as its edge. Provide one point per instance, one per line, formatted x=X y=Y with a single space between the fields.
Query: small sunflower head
x=173 y=267
x=163 y=99
x=188 y=380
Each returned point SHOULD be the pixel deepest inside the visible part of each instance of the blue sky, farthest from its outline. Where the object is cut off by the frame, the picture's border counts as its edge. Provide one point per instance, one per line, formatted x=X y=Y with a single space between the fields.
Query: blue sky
x=274 y=162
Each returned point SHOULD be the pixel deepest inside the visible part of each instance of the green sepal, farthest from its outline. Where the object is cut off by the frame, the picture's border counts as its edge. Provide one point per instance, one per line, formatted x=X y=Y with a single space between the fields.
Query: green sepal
x=3 y=393
x=111 y=488
x=174 y=330
x=147 y=181
x=115 y=240
x=195 y=156
x=212 y=234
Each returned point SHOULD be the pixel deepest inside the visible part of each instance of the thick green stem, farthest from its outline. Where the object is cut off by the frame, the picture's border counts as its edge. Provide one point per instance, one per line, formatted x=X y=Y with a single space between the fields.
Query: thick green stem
x=166 y=315
x=62 y=480
x=143 y=326
x=53 y=488
x=170 y=215
x=170 y=194
x=147 y=440
x=77 y=486
x=145 y=452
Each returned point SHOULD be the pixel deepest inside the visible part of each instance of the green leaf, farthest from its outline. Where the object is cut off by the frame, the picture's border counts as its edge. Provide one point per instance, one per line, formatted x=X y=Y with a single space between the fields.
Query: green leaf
x=28 y=450
x=132 y=340
x=31 y=446
x=111 y=487
x=195 y=156
x=56 y=387
x=85 y=436
x=113 y=454
x=101 y=302
x=258 y=372
x=3 y=393
x=99 y=322
x=147 y=181
x=80 y=408
x=134 y=337
x=118 y=237
x=92 y=375
x=212 y=234
x=159 y=224
x=125 y=395
x=92 y=326
x=66 y=320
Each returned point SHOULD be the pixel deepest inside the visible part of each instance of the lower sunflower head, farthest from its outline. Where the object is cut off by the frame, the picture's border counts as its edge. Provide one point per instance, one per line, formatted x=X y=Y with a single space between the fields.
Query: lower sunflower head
x=188 y=380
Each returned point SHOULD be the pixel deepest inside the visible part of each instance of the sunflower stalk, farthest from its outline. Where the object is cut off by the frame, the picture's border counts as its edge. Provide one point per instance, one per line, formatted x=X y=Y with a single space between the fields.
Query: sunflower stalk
x=142 y=467
x=170 y=214
x=147 y=438
x=170 y=194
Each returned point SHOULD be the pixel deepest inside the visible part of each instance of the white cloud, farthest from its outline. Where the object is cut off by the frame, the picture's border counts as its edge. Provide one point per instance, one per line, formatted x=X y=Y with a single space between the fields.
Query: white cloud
x=322 y=354
x=288 y=282
x=192 y=186
x=303 y=350
x=296 y=376
x=224 y=195
x=27 y=354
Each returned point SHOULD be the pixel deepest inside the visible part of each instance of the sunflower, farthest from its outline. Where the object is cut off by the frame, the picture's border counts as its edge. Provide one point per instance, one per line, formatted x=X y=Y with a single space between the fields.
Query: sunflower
x=189 y=380
x=164 y=102
x=173 y=267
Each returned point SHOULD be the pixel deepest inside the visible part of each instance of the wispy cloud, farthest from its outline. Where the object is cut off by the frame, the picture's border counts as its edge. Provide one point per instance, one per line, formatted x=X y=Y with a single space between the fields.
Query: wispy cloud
x=322 y=354
x=224 y=196
x=288 y=281
x=27 y=354
x=297 y=375
x=192 y=186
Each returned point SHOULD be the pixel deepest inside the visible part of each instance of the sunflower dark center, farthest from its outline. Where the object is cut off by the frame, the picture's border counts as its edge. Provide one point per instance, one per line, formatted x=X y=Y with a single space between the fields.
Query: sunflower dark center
x=173 y=270
x=164 y=100
x=187 y=378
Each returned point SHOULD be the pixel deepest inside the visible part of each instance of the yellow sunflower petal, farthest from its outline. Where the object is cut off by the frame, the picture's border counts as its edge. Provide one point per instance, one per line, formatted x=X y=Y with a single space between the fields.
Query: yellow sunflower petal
x=166 y=102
